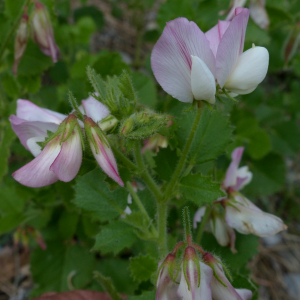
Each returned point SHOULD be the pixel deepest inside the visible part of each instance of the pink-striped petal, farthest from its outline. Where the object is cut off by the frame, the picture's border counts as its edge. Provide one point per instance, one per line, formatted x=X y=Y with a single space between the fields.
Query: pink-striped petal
x=171 y=57
x=95 y=109
x=236 y=4
x=37 y=173
x=231 y=174
x=202 y=81
x=26 y=130
x=215 y=34
x=105 y=158
x=68 y=162
x=30 y=112
x=227 y=292
x=231 y=46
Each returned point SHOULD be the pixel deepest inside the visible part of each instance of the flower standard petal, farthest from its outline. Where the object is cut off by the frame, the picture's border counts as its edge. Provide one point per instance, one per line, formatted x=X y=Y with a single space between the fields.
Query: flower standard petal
x=250 y=70
x=95 y=109
x=171 y=57
x=202 y=81
x=231 y=46
x=26 y=130
x=231 y=174
x=36 y=173
x=68 y=162
x=29 y=111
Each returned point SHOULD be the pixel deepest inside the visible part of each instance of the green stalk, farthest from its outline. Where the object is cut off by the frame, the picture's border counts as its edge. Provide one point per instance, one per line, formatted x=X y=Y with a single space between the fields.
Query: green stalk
x=144 y=173
x=127 y=162
x=203 y=223
x=162 y=228
x=13 y=28
x=183 y=158
x=140 y=206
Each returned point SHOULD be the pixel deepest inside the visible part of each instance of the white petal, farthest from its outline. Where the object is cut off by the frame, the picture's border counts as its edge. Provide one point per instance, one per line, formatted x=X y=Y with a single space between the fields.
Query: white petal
x=219 y=229
x=202 y=81
x=250 y=70
x=33 y=147
x=250 y=219
x=244 y=293
x=95 y=109
x=198 y=216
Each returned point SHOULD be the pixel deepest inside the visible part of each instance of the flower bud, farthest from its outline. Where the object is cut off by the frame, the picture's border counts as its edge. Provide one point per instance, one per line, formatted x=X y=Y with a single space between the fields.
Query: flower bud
x=20 y=42
x=142 y=118
x=109 y=123
x=128 y=126
x=195 y=277
x=43 y=32
x=101 y=150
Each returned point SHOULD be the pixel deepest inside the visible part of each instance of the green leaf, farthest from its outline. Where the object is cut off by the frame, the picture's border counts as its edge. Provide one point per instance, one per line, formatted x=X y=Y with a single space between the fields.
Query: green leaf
x=31 y=84
x=114 y=238
x=149 y=295
x=165 y=163
x=118 y=271
x=7 y=137
x=268 y=176
x=92 y=194
x=34 y=62
x=212 y=136
x=286 y=138
x=146 y=89
x=142 y=267
x=12 y=8
x=55 y=268
x=67 y=224
x=10 y=85
x=200 y=189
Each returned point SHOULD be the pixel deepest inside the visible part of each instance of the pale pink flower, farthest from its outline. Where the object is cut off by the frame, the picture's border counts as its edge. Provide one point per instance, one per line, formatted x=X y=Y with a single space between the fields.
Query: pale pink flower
x=245 y=217
x=20 y=42
x=101 y=150
x=194 y=285
x=43 y=32
x=59 y=160
x=221 y=287
x=188 y=64
x=236 y=177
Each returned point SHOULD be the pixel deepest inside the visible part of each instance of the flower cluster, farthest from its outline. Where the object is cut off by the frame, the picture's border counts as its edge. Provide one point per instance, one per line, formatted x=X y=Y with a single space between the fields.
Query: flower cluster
x=42 y=34
x=239 y=213
x=195 y=278
x=59 y=155
x=189 y=64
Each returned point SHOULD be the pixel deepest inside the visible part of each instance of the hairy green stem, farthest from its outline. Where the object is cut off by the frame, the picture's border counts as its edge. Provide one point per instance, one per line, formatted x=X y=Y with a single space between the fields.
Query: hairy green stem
x=144 y=173
x=126 y=161
x=183 y=158
x=228 y=96
x=13 y=28
x=203 y=223
x=141 y=206
x=162 y=229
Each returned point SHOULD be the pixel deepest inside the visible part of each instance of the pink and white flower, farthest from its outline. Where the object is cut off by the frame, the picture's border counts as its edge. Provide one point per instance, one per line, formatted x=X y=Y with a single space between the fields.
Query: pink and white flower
x=20 y=42
x=236 y=178
x=245 y=217
x=43 y=32
x=189 y=64
x=101 y=150
x=195 y=282
x=59 y=160
x=221 y=288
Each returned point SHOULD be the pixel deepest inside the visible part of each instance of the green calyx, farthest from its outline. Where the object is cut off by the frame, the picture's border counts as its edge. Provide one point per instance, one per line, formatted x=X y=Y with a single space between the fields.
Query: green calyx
x=108 y=124
x=142 y=125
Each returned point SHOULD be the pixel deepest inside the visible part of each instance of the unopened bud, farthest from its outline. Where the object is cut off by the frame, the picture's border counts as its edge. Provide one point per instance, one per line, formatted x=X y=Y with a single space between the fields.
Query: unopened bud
x=128 y=126
x=143 y=118
x=43 y=32
x=20 y=42
x=108 y=123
